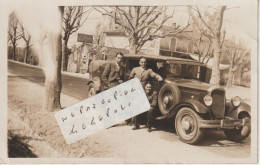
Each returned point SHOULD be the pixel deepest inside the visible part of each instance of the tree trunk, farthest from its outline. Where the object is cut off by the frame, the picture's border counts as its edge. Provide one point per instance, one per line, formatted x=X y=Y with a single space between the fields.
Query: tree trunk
x=230 y=75
x=215 y=76
x=24 y=59
x=133 y=45
x=238 y=75
x=26 y=54
x=14 y=44
x=64 y=55
x=53 y=83
x=14 y=52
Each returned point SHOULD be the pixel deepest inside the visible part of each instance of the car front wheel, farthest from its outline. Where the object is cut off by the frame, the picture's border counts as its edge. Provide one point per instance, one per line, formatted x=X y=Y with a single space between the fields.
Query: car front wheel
x=91 y=90
x=187 y=126
x=240 y=133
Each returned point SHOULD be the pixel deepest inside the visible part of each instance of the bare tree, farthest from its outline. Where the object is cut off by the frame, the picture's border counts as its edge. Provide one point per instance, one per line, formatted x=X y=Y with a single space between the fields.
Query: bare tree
x=13 y=34
x=52 y=41
x=140 y=23
x=27 y=39
x=73 y=19
x=203 y=47
x=243 y=65
x=211 y=28
x=238 y=57
x=231 y=54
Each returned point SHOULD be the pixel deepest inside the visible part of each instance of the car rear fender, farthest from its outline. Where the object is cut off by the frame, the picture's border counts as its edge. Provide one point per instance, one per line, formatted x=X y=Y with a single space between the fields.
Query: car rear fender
x=235 y=111
x=89 y=82
x=193 y=104
x=97 y=83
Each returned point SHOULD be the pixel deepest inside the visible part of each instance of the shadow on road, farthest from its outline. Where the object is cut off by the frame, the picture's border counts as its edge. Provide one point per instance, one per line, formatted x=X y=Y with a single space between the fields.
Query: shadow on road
x=218 y=139
x=166 y=125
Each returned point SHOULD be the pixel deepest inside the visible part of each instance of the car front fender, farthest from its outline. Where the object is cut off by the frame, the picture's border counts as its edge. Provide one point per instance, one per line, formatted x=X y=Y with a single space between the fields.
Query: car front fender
x=235 y=111
x=194 y=104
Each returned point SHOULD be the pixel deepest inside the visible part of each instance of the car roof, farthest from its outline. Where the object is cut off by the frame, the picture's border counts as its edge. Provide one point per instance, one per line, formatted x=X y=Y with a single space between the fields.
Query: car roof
x=159 y=58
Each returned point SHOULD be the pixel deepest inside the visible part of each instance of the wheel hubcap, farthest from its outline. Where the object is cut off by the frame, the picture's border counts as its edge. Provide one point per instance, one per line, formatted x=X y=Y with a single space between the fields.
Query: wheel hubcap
x=187 y=127
x=245 y=130
x=167 y=100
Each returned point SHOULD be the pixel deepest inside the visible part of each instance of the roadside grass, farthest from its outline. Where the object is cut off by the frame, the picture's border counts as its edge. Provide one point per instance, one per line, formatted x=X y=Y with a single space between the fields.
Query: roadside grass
x=18 y=146
x=42 y=126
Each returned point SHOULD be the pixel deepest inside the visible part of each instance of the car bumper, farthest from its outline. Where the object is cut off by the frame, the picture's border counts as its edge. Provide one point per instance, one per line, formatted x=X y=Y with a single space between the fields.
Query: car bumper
x=224 y=123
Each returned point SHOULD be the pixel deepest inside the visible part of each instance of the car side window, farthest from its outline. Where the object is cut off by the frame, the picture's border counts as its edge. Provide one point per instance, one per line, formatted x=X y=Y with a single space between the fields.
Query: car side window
x=189 y=71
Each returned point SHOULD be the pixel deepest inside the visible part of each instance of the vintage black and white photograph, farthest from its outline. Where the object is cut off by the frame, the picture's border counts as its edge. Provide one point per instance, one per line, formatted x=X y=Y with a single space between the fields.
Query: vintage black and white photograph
x=112 y=83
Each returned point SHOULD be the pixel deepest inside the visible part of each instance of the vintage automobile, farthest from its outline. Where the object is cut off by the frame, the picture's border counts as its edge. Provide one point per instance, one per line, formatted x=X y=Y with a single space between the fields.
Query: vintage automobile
x=184 y=96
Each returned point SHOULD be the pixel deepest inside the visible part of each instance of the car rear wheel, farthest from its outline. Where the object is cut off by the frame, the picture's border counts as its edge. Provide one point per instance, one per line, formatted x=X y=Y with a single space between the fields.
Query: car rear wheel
x=169 y=96
x=91 y=90
x=240 y=133
x=187 y=126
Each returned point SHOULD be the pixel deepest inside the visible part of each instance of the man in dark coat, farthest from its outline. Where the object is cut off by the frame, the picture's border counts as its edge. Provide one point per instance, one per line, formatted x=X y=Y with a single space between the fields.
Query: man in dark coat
x=114 y=72
x=153 y=99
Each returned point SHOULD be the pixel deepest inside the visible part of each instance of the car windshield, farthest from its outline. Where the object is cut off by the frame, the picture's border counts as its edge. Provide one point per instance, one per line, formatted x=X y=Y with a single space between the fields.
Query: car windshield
x=182 y=70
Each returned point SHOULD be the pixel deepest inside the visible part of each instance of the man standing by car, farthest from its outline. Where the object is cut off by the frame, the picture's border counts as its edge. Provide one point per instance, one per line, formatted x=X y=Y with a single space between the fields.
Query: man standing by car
x=143 y=73
x=114 y=72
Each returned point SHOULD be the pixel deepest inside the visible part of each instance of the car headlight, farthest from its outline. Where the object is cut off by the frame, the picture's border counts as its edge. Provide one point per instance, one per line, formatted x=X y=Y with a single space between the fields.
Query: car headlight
x=236 y=101
x=208 y=100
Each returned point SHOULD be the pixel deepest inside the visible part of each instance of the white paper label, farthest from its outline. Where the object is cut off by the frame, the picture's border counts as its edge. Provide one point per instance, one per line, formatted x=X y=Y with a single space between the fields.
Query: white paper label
x=102 y=110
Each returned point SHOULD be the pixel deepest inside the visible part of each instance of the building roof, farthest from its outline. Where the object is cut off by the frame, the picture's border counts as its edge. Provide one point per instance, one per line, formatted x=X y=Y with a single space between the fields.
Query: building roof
x=188 y=33
x=115 y=32
x=159 y=58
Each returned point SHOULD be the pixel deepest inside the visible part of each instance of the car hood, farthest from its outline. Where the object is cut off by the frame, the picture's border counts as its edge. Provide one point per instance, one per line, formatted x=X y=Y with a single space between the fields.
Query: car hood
x=190 y=83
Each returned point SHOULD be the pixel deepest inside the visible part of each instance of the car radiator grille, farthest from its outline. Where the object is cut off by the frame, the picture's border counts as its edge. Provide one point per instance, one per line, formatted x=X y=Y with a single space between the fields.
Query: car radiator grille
x=218 y=105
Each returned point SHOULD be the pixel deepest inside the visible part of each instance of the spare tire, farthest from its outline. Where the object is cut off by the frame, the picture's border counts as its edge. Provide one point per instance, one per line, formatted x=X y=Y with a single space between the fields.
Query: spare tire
x=169 y=97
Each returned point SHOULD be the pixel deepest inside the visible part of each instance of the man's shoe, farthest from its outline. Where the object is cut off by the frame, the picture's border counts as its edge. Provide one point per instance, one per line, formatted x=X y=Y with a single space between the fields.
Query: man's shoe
x=149 y=129
x=136 y=127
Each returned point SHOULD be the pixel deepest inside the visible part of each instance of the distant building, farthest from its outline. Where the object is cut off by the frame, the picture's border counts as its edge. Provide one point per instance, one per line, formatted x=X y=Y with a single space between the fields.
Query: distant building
x=182 y=44
x=117 y=39
x=79 y=58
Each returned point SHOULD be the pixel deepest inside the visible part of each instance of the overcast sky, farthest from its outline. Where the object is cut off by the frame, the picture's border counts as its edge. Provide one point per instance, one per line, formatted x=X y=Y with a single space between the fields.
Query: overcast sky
x=240 y=21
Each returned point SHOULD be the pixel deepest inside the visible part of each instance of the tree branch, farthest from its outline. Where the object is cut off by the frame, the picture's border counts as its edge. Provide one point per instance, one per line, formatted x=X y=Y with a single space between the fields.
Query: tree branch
x=126 y=16
x=145 y=12
x=203 y=21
